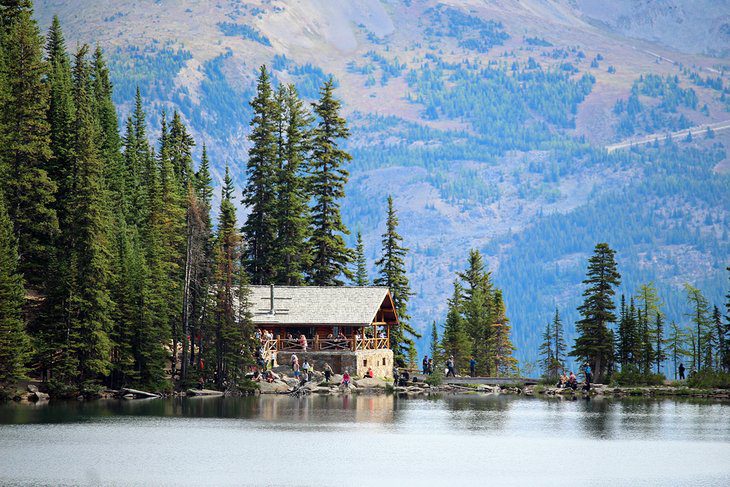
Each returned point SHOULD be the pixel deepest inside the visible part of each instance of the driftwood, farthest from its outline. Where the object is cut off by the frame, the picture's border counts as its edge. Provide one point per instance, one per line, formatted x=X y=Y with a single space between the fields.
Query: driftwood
x=204 y=392
x=136 y=393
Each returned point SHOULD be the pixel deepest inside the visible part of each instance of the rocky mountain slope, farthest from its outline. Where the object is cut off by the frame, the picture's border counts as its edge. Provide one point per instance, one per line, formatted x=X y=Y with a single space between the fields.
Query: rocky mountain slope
x=484 y=119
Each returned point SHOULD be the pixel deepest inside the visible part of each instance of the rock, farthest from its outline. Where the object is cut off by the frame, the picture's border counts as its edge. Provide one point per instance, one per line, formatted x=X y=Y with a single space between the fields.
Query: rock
x=38 y=396
x=138 y=393
x=336 y=378
x=32 y=388
x=324 y=390
x=204 y=392
x=128 y=396
x=369 y=383
x=290 y=381
x=276 y=387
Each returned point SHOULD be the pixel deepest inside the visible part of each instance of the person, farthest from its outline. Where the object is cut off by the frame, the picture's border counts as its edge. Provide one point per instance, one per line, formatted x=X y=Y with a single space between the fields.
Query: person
x=256 y=375
x=305 y=368
x=381 y=334
x=303 y=342
x=346 y=379
x=473 y=367
x=330 y=336
x=327 y=372
x=201 y=383
x=425 y=364
x=257 y=334
x=294 y=359
x=404 y=378
x=563 y=381
x=572 y=381
x=450 y=367
x=589 y=373
x=430 y=366
x=681 y=371
x=297 y=373
x=369 y=374
x=396 y=375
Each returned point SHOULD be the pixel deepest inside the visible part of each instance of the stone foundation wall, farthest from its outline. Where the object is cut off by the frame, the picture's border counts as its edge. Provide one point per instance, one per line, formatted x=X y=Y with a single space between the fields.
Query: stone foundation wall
x=357 y=363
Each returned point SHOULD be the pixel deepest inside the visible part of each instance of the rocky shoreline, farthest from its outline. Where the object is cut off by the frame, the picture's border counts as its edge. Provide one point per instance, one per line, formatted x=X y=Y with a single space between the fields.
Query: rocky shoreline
x=285 y=385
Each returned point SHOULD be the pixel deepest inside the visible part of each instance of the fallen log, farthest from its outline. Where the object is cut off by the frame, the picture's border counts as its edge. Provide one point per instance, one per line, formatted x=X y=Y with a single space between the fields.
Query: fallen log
x=137 y=393
x=204 y=392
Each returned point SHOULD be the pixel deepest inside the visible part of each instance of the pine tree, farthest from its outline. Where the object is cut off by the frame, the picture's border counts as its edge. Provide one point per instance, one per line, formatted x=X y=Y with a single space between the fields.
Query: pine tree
x=330 y=256
x=660 y=355
x=546 y=353
x=14 y=343
x=86 y=350
x=259 y=197
x=435 y=347
x=228 y=332
x=361 y=270
x=60 y=114
x=594 y=343
x=504 y=362
x=109 y=142
x=700 y=318
x=676 y=345
x=649 y=306
x=292 y=255
x=25 y=152
x=478 y=312
x=559 y=346
x=392 y=274
x=455 y=340
x=181 y=145
x=726 y=333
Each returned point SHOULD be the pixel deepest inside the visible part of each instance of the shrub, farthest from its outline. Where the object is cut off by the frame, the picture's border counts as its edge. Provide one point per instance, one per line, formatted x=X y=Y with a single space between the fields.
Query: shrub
x=631 y=376
x=437 y=378
x=709 y=379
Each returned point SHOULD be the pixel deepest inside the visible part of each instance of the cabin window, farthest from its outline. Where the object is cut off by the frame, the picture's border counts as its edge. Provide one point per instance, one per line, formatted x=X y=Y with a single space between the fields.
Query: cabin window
x=365 y=363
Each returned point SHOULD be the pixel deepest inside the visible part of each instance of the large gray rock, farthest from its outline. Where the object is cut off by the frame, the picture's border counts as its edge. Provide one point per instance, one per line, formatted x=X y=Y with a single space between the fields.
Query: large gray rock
x=38 y=396
x=369 y=383
x=204 y=392
x=32 y=388
x=276 y=387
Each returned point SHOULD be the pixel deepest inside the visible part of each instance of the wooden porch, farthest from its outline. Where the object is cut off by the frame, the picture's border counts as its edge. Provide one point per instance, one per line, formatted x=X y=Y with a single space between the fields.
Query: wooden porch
x=324 y=344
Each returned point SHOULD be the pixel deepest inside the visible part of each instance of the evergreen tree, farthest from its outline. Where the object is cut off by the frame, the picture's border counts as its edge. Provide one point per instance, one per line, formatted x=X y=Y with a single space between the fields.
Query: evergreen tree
x=660 y=355
x=701 y=320
x=291 y=250
x=676 y=345
x=392 y=274
x=594 y=343
x=504 y=362
x=228 y=328
x=546 y=353
x=478 y=312
x=649 y=306
x=435 y=347
x=361 y=270
x=330 y=256
x=559 y=346
x=455 y=340
x=14 y=343
x=260 y=192
x=181 y=145
x=25 y=152
x=109 y=142
x=725 y=352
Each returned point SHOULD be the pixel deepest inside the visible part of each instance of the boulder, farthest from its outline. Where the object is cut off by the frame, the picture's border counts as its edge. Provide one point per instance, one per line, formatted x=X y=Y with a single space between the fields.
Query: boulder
x=276 y=387
x=369 y=383
x=324 y=390
x=32 y=388
x=336 y=378
x=38 y=396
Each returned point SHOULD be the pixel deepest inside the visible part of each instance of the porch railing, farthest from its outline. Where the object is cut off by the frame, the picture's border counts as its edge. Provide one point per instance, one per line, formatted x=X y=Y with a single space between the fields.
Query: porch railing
x=324 y=344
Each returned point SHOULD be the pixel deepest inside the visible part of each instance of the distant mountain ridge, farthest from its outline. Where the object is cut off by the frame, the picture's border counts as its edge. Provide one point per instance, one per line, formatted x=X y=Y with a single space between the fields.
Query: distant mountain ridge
x=484 y=119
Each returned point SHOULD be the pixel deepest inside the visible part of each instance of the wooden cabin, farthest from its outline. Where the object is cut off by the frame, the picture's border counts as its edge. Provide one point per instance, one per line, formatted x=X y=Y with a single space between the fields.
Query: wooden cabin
x=333 y=319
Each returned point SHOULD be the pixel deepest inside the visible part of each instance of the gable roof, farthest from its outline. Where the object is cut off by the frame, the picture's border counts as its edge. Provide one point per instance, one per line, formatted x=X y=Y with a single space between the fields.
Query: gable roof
x=318 y=305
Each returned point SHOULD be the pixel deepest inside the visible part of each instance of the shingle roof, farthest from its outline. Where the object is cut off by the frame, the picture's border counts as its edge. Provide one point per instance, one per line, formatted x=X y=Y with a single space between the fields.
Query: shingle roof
x=325 y=305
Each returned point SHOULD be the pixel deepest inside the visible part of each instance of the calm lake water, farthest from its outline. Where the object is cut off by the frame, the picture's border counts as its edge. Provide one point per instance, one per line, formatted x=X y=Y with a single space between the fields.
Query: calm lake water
x=366 y=440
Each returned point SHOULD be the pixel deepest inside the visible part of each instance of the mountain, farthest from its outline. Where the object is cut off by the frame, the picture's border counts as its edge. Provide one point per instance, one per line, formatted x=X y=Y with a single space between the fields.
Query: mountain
x=486 y=121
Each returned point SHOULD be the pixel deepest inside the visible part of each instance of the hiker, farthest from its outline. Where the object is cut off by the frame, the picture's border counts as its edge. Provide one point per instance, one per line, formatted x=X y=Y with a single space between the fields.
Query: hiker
x=563 y=382
x=425 y=364
x=572 y=381
x=681 y=371
x=327 y=372
x=346 y=379
x=297 y=373
x=430 y=366
x=589 y=373
x=473 y=367
x=396 y=375
x=369 y=374
x=303 y=342
x=294 y=359
x=404 y=378
x=450 y=367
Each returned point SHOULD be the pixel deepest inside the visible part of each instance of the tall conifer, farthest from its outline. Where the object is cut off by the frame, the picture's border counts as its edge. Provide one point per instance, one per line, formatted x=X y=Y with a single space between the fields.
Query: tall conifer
x=361 y=269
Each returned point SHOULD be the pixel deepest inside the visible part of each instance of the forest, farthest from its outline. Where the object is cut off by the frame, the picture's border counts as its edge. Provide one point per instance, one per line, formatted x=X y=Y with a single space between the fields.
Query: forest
x=114 y=272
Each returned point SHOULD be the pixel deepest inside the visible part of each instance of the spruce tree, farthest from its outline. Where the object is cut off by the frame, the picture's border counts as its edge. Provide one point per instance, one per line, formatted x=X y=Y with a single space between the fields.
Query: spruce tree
x=14 y=343
x=594 y=341
x=676 y=345
x=361 y=270
x=259 y=195
x=392 y=274
x=26 y=151
x=227 y=327
x=504 y=362
x=435 y=347
x=109 y=142
x=559 y=346
x=726 y=333
x=292 y=255
x=477 y=308
x=328 y=176
x=660 y=355
x=546 y=353
x=455 y=340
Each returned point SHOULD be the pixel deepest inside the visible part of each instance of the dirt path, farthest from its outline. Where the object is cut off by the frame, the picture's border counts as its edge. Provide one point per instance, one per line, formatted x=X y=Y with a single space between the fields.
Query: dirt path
x=648 y=139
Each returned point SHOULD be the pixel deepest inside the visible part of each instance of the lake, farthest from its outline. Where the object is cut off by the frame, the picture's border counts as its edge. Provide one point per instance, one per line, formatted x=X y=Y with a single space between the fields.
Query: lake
x=366 y=440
